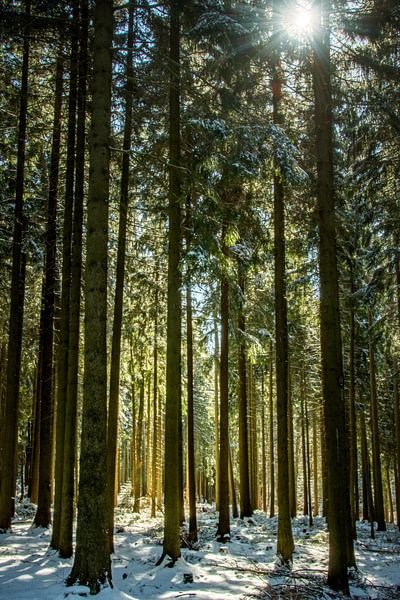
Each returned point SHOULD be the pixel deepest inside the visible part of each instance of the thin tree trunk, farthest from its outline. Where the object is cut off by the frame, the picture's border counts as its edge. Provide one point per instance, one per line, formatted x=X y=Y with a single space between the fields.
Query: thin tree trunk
x=71 y=399
x=9 y=441
x=271 y=439
x=216 y=412
x=190 y=401
x=223 y=532
x=245 y=503
x=292 y=477
x=63 y=341
x=397 y=433
x=154 y=470
x=139 y=446
x=376 y=450
x=43 y=515
x=232 y=489
x=353 y=483
x=113 y=404
x=315 y=464
x=263 y=447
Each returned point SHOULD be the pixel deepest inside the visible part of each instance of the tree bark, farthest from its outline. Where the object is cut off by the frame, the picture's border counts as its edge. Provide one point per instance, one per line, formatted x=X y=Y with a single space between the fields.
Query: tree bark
x=113 y=405
x=223 y=532
x=245 y=503
x=71 y=399
x=171 y=545
x=92 y=564
x=9 y=442
x=43 y=514
x=63 y=342
x=376 y=445
x=341 y=553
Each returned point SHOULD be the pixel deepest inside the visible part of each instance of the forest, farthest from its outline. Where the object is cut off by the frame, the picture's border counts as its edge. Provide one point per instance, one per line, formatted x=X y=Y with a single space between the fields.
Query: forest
x=199 y=299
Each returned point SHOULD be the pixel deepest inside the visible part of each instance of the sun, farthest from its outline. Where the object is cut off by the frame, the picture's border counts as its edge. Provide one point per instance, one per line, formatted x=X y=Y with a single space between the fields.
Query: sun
x=299 y=19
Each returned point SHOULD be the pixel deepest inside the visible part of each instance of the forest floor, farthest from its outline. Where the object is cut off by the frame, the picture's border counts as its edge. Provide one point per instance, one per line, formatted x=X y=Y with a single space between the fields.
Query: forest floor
x=243 y=569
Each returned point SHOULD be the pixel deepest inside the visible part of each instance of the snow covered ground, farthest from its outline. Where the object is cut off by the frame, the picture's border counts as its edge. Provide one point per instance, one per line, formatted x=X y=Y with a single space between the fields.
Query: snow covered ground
x=242 y=569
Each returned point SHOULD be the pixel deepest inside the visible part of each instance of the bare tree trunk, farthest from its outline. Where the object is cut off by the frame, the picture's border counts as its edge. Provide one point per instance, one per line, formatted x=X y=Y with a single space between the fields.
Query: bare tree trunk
x=92 y=565
x=9 y=441
x=43 y=515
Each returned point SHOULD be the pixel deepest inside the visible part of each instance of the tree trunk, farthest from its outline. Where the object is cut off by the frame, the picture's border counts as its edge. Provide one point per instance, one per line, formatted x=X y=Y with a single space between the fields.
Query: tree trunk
x=223 y=532
x=43 y=515
x=263 y=447
x=63 y=342
x=113 y=404
x=397 y=433
x=271 y=439
x=9 y=441
x=71 y=399
x=139 y=446
x=216 y=412
x=232 y=488
x=353 y=483
x=315 y=464
x=341 y=553
x=154 y=470
x=245 y=503
x=376 y=445
x=171 y=545
x=92 y=565
x=190 y=401
x=292 y=475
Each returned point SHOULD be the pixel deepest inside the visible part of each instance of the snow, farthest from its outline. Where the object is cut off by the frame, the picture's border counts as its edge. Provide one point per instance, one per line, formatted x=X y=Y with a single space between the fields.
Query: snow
x=244 y=568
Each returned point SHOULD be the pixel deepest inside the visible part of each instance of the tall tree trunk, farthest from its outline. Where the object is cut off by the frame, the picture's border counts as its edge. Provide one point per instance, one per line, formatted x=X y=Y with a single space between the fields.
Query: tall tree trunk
x=139 y=446
x=245 y=503
x=341 y=553
x=113 y=404
x=190 y=408
x=292 y=475
x=315 y=464
x=43 y=515
x=154 y=470
x=216 y=412
x=34 y=480
x=285 y=545
x=92 y=565
x=368 y=503
x=271 y=438
x=171 y=545
x=9 y=441
x=263 y=447
x=376 y=445
x=71 y=399
x=63 y=341
x=223 y=483
x=303 y=445
x=397 y=434
x=232 y=488
x=353 y=482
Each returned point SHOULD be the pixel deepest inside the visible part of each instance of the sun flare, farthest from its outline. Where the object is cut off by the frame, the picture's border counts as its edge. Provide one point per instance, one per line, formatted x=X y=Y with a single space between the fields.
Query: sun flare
x=299 y=20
